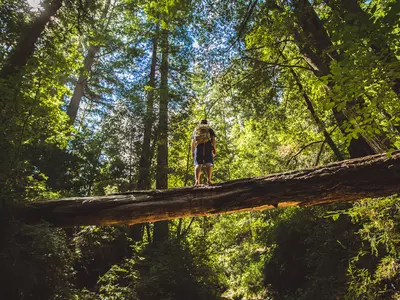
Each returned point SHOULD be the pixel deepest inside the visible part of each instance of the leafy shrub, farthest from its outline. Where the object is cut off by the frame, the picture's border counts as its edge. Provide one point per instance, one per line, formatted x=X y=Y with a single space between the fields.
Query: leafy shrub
x=35 y=262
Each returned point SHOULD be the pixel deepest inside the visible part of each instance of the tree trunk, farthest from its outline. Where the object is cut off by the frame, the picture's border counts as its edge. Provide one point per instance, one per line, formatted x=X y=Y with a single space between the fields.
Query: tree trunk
x=162 y=149
x=161 y=228
x=73 y=106
x=145 y=157
x=357 y=147
x=316 y=47
x=348 y=180
x=26 y=46
x=136 y=232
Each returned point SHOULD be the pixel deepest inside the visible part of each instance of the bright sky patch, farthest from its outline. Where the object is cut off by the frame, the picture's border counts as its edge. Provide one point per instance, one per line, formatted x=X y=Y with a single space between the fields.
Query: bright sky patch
x=34 y=3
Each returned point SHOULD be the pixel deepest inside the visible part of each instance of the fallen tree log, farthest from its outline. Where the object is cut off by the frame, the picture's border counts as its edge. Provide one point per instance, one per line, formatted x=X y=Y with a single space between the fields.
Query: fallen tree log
x=349 y=180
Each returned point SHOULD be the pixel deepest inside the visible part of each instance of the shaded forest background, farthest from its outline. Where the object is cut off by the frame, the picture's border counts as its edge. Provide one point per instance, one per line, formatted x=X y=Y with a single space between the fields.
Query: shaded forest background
x=99 y=97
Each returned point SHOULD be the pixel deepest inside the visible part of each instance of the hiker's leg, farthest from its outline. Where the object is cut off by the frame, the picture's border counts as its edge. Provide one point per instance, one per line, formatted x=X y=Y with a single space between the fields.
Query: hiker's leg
x=209 y=168
x=197 y=172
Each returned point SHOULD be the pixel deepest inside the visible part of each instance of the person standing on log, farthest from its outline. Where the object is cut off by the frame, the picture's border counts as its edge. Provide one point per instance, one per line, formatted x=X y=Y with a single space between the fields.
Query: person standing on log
x=203 y=150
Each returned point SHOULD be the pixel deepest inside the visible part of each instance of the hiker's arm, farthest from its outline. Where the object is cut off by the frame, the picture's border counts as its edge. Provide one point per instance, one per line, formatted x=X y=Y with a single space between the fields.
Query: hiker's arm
x=193 y=146
x=214 y=144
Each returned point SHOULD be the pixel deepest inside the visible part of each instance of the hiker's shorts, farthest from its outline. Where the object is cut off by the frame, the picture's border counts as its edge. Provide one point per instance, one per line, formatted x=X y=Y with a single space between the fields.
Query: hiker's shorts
x=203 y=154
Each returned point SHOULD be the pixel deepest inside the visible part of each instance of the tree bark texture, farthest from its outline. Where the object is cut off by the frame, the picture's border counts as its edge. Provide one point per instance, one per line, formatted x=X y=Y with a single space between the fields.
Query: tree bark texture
x=162 y=147
x=145 y=156
x=144 y=181
x=26 y=45
x=76 y=98
x=348 y=180
x=161 y=228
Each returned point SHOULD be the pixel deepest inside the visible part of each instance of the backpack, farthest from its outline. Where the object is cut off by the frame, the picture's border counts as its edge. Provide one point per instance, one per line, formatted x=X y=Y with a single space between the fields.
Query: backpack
x=202 y=134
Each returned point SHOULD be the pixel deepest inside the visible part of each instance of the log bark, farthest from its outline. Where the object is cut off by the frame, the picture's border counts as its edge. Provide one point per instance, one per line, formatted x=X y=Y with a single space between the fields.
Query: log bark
x=348 y=180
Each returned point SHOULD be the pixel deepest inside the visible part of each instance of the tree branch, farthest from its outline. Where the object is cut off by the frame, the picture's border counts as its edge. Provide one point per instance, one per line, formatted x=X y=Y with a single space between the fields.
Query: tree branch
x=302 y=149
x=250 y=10
x=275 y=64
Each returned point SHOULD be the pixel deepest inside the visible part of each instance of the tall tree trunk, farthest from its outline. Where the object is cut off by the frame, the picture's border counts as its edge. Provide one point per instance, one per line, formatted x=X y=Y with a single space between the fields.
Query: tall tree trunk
x=145 y=157
x=352 y=14
x=26 y=46
x=73 y=106
x=316 y=47
x=76 y=99
x=161 y=228
x=162 y=149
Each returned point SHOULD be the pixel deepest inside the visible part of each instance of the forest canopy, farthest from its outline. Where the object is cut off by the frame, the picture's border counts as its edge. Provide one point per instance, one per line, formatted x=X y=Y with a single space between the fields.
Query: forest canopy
x=102 y=97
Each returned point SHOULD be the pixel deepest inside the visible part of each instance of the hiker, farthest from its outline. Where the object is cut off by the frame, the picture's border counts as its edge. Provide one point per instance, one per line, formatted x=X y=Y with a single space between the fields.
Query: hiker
x=203 y=150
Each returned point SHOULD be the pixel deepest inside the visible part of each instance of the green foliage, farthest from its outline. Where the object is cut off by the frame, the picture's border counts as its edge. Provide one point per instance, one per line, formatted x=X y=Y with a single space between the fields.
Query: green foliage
x=241 y=67
x=35 y=262
x=238 y=253
x=309 y=256
x=94 y=244
x=166 y=272
x=374 y=271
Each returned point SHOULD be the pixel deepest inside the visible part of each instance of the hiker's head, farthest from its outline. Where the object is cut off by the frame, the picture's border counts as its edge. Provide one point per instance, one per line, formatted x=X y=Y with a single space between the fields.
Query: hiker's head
x=203 y=122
